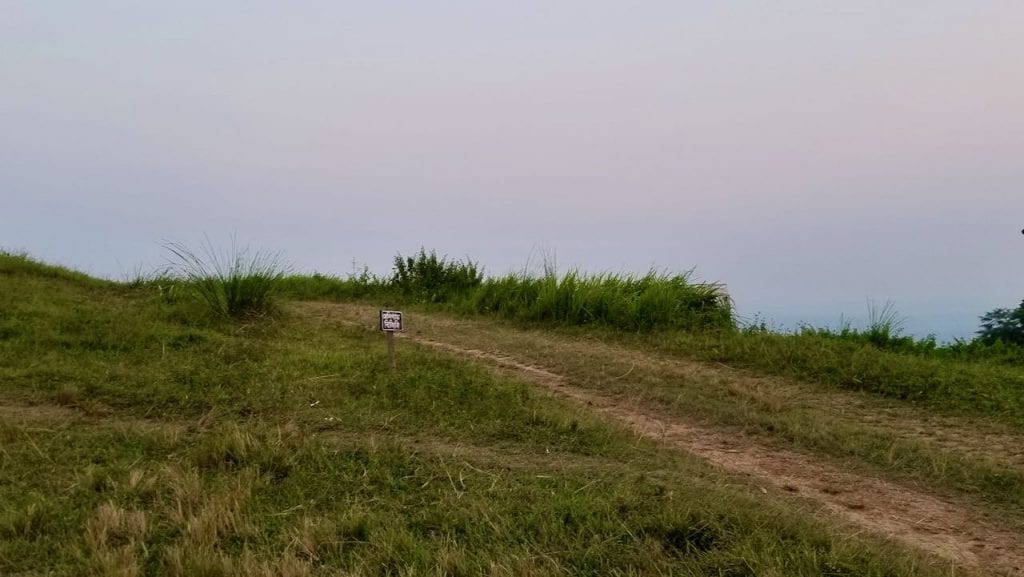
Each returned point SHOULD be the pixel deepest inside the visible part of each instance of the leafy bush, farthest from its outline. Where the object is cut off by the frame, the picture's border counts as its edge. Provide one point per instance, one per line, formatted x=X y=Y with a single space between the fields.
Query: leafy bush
x=238 y=284
x=427 y=278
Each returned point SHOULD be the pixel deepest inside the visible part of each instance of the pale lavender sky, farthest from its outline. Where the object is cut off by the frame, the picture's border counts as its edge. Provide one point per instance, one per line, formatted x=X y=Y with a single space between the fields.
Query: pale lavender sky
x=810 y=155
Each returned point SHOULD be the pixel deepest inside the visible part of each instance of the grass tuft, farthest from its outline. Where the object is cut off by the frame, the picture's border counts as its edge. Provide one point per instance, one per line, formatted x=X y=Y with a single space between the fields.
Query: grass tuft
x=239 y=283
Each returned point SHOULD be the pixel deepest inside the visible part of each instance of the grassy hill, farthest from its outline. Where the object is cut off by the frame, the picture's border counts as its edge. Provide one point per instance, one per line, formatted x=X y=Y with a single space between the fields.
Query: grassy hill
x=142 y=435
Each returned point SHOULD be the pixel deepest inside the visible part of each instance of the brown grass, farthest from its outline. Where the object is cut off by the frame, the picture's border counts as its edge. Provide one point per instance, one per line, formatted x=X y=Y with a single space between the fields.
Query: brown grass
x=116 y=540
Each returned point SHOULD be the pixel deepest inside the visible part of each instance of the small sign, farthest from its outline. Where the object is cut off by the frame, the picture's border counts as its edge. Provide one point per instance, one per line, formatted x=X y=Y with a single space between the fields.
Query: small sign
x=391 y=321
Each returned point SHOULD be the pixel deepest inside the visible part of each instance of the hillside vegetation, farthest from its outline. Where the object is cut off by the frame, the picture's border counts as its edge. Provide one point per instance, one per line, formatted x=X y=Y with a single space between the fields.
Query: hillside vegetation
x=624 y=302
x=144 y=433
x=674 y=314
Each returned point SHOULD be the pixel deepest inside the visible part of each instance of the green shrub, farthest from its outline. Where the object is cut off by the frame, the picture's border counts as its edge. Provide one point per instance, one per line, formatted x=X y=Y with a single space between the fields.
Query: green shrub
x=426 y=278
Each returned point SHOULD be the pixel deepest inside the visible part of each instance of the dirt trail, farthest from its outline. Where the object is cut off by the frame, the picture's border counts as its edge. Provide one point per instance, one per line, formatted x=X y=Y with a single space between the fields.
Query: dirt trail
x=929 y=523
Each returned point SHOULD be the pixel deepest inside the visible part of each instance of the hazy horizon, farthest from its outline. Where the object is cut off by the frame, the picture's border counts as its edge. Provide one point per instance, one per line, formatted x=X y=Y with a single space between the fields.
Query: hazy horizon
x=810 y=157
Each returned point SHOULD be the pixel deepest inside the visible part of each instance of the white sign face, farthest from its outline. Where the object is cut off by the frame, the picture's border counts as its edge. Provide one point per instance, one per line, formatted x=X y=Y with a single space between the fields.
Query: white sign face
x=390 y=320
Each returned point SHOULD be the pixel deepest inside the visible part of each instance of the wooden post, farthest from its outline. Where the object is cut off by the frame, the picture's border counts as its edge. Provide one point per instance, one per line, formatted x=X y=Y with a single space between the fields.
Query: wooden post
x=391 y=349
x=391 y=321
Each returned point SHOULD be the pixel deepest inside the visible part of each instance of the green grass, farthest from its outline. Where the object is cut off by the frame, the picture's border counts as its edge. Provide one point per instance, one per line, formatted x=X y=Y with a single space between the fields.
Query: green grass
x=318 y=286
x=654 y=301
x=965 y=456
x=20 y=265
x=969 y=387
x=140 y=436
x=624 y=302
x=673 y=314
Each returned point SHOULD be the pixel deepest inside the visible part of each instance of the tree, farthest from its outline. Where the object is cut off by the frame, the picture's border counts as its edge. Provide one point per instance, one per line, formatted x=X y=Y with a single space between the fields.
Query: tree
x=1006 y=325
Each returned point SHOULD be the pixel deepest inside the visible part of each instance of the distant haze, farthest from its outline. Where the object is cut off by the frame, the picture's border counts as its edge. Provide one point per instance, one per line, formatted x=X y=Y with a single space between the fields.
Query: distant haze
x=810 y=155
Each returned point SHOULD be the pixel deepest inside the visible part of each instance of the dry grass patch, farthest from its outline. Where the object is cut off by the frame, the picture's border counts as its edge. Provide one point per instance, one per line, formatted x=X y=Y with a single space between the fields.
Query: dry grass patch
x=116 y=540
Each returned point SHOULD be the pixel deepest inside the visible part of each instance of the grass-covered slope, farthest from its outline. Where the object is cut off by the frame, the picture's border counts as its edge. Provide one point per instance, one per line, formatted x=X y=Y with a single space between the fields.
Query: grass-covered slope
x=692 y=319
x=976 y=386
x=140 y=437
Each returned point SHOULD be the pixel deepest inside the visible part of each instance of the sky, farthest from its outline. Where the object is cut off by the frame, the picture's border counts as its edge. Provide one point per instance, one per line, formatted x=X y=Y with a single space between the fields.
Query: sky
x=812 y=156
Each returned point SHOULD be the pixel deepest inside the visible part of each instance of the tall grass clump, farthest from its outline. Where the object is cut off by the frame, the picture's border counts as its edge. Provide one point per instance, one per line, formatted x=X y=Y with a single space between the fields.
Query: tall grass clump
x=637 y=303
x=238 y=283
x=425 y=277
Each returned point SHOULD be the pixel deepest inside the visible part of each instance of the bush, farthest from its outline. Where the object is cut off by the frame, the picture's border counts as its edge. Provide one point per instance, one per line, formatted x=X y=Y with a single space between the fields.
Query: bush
x=427 y=278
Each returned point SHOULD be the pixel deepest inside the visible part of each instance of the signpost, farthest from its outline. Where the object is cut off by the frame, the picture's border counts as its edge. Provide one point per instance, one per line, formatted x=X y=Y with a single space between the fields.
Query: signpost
x=391 y=321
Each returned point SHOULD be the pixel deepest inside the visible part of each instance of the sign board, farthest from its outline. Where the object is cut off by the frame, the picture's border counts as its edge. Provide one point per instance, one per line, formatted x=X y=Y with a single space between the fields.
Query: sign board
x=390 y=321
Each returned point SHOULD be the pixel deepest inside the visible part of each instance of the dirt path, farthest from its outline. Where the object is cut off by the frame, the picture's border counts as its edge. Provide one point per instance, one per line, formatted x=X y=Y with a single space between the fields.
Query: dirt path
x=929 y=523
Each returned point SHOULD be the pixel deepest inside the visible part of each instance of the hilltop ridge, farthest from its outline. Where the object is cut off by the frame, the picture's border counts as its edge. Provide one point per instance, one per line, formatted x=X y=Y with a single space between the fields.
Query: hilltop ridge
x=142 y=434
